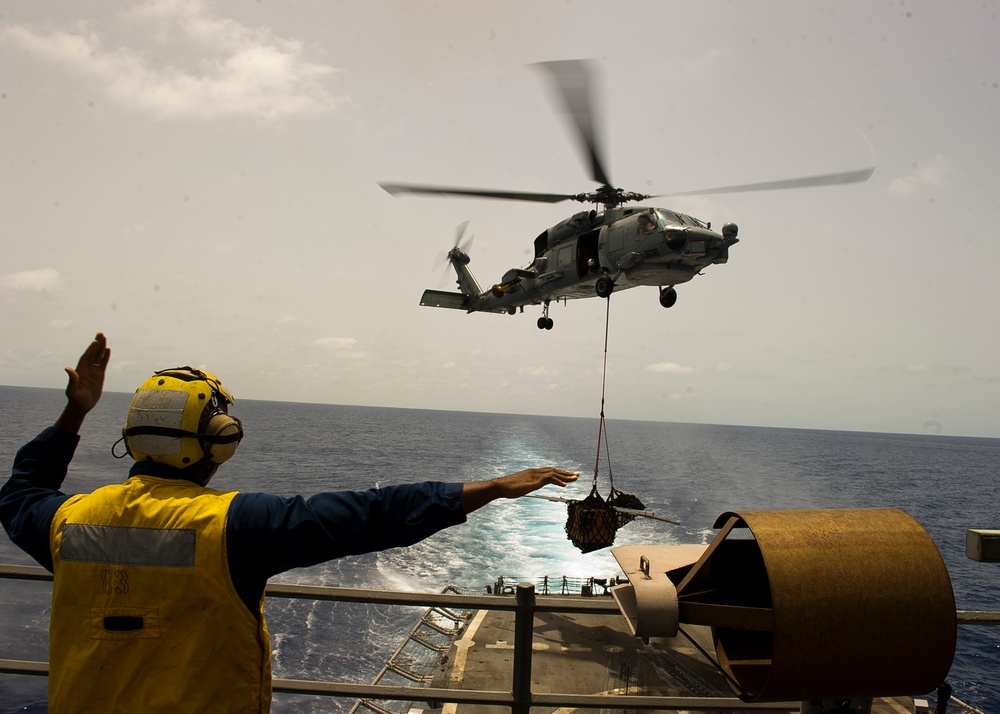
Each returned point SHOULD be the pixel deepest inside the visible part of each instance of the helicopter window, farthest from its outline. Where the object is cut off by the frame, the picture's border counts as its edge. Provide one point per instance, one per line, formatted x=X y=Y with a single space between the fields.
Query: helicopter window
x=646 y=223
x=670 y=216
x=692 y=221
x=565 y=255
x=680 y=218
x=541 y=243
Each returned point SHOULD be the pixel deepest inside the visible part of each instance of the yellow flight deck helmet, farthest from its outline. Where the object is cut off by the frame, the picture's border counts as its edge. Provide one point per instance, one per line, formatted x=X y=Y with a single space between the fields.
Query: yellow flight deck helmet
x=180 y=416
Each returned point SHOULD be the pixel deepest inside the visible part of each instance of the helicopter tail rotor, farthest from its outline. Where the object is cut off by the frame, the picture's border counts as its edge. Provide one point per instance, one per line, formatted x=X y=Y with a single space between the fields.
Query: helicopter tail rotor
x=462 y=243
x=458 y=252
x=469 y=291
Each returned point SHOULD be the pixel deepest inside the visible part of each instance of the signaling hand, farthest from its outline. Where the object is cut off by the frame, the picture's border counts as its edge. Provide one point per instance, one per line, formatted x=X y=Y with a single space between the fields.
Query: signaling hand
x=478 y=493
x=86 y=383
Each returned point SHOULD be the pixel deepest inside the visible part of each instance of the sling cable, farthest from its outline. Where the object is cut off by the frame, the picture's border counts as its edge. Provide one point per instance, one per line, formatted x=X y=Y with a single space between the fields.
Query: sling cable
x=592 y=523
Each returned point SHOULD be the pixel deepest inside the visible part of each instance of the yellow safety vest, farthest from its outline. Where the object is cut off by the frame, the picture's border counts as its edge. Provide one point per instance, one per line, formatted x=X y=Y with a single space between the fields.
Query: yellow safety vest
x=145 y=617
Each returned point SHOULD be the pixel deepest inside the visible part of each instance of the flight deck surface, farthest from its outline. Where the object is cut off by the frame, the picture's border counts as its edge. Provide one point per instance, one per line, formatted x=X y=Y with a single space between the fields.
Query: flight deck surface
x=588 y=654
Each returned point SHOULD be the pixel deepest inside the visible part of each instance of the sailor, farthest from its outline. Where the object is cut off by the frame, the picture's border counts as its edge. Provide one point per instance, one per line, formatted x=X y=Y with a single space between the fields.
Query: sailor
x=158 y=594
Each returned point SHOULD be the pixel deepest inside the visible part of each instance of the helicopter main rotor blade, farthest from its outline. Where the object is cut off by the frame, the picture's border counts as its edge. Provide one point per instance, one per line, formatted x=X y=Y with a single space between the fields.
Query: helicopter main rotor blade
x=572 y=80
x=397 y=188
x=857 y=176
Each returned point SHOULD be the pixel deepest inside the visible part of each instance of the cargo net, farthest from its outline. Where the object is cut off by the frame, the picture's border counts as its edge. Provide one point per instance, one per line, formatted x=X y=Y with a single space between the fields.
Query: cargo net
x=620 y=501
x=592 y=523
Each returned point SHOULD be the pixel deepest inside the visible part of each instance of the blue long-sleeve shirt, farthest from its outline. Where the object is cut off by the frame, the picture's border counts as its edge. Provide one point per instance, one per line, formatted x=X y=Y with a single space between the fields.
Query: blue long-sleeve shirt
x=265 y=534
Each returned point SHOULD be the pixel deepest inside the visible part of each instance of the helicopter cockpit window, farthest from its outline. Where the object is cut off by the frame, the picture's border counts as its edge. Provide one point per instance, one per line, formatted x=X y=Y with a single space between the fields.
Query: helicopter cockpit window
x=692 y=221
x=669 y=216
x=680 y=218
x=646 y=223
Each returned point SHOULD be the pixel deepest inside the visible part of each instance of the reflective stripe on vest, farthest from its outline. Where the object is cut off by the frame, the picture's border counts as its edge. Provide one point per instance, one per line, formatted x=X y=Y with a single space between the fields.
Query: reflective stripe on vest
x=145 y=616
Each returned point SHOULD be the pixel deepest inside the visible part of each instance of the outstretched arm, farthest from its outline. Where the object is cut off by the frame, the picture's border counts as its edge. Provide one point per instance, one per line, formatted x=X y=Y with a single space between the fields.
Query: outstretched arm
x=476 y=494
x=31 y=497
x=86 y=383
x=269 y=534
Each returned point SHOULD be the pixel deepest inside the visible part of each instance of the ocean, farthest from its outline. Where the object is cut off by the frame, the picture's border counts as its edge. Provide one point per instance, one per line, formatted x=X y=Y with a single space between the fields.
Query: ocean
x=689 y=473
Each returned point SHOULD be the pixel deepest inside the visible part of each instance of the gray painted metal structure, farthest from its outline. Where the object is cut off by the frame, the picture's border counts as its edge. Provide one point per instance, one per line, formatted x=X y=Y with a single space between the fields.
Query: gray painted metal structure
x=519 y=698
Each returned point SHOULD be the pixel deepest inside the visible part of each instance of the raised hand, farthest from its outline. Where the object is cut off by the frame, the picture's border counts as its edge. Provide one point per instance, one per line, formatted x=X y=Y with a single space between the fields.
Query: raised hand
x=86 y=384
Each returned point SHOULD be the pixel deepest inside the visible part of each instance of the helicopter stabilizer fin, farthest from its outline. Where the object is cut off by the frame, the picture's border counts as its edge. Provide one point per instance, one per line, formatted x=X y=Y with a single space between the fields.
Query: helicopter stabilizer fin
x=442 y=298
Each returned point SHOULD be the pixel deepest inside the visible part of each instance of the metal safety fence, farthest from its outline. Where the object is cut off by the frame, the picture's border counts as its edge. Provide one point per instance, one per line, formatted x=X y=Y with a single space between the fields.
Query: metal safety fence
x=519 y=697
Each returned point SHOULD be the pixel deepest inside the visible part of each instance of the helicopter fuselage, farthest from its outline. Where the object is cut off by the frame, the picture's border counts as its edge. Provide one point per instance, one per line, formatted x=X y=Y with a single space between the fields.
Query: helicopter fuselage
x=592 y=253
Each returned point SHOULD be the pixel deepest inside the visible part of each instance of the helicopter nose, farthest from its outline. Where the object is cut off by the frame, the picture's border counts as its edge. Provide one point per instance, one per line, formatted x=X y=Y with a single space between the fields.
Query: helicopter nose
x=704 y=234
x=676 y=240
x=696 y=241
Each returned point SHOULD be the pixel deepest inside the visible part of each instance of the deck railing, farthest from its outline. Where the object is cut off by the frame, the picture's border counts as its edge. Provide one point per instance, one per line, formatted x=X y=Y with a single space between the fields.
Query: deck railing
x=519 y=698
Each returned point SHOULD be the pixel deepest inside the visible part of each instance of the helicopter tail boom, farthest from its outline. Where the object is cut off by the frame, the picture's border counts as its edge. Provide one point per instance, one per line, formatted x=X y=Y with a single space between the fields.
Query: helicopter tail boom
x=471 y=298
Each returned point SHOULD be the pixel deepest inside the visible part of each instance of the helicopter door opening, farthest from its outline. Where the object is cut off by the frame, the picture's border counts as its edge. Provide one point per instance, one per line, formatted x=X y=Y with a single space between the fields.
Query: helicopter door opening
x=587 y=261
x=541 y=243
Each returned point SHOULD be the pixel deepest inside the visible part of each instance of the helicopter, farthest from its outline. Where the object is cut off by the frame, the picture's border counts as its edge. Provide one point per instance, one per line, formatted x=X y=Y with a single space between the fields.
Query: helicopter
x=609 y=248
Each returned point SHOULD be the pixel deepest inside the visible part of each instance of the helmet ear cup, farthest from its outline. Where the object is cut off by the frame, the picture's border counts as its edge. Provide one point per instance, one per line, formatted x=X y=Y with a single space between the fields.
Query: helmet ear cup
x=220 y=438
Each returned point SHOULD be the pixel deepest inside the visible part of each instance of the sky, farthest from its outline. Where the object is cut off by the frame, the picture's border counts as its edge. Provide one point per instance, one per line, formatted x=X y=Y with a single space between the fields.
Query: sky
x=199 y=180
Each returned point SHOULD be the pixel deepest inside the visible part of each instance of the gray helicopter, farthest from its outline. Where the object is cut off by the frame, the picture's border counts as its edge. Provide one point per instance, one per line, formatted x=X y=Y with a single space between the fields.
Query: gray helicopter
x=611 y=247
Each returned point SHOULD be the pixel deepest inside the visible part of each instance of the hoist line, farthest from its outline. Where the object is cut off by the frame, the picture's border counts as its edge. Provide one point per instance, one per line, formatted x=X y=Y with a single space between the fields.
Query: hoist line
x=601 y=430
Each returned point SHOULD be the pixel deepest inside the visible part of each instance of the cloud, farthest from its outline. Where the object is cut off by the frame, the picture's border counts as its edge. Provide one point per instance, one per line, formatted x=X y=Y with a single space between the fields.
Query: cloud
x=930 y=173
x=335 y=343
x=344 y=348
x=919 y=368
x=136 y=229
x=535 y=371
x=669 y=368
x=217 y=67
x=33 y=280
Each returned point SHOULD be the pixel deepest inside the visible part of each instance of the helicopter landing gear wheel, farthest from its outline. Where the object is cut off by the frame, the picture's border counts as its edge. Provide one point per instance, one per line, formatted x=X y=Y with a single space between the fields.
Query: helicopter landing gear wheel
x=668 y=296
x=545 y=322
x=604 y=286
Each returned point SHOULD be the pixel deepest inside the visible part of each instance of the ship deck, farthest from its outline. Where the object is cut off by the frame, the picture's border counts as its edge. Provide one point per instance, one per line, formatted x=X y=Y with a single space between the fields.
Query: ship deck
x=584 y=653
